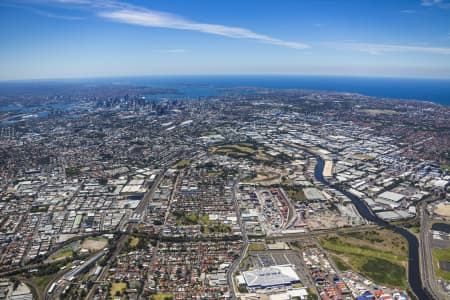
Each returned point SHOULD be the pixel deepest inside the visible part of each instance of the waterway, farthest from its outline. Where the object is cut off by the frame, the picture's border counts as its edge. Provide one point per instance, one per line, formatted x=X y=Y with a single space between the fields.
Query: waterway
x=414 y=279
x=441 y=227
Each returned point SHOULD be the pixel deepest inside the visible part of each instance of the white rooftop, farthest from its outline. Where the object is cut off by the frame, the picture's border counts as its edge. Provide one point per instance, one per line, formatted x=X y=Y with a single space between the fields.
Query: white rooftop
x=271 y=276
x=392 y=196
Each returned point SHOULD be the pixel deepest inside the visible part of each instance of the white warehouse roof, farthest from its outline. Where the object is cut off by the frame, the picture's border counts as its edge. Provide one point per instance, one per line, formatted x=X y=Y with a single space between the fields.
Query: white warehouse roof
x=396 y=197
x=271 y=276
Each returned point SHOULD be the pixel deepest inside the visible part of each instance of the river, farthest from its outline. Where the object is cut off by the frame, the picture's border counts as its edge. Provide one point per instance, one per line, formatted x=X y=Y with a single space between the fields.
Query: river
x=414 y=279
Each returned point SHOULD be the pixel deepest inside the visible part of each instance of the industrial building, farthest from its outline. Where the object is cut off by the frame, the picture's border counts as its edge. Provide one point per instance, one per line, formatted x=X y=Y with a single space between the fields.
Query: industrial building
x=274 y=276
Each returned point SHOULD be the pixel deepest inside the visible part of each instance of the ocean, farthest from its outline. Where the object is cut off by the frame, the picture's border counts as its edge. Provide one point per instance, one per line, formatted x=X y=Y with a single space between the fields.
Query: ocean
x=434 y=90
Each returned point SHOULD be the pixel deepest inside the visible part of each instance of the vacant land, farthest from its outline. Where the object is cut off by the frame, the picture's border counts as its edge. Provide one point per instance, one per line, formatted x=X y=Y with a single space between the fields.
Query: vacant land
x=440 y=257
x=340 y=264
x=134 y=241
x=256 y=247
x=43 y=281
x=379 y=111
x=62 y=254
x=384 y=240
x=234 y=150
x=247 y=150
x=363 y=156
x=116 y=288
x=162 y=297
x=94 y=243
x=267 y=176
x=443 y=210
x=296 y=194
x=415 y=229
x=181 y=164
x=380 y=255
x=215 y=173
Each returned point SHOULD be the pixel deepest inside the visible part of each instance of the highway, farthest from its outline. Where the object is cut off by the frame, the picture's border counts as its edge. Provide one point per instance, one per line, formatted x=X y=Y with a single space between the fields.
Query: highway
x=427 y=266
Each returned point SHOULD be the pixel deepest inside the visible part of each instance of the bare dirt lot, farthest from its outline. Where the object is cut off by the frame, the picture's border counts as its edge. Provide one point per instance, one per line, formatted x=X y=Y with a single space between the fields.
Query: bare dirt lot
x=94 y=243
x=443 y=210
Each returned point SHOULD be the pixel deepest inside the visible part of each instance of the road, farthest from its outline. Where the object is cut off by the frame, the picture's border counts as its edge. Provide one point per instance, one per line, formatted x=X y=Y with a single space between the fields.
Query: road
x=427 y=266
x=244 y=249
x=292 y=215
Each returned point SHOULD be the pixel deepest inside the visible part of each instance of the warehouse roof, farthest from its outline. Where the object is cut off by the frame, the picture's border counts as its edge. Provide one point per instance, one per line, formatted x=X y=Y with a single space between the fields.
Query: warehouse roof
x=271 y=276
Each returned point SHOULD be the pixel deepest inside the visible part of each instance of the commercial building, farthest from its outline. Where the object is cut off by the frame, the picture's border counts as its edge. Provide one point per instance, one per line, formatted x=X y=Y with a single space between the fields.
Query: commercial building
x=274 y=276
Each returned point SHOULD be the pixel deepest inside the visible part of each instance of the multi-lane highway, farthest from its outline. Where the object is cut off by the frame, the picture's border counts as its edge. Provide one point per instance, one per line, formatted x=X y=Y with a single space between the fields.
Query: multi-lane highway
x=426 y=255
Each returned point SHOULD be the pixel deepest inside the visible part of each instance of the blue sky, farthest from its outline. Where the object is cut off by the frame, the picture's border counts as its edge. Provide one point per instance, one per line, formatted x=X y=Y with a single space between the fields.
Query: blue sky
x=103 y=38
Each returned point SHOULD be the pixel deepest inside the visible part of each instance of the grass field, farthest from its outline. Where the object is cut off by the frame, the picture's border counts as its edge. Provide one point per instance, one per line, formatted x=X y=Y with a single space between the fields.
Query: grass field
x=117 y=287
x=256 y=247
x=384 y=271
x=134 y=241
x=379 y=255
x=415 y=229
x=62 y=253
x=162 y=297
x=42 y=281
x=380 y=240
x=342 y=265
x=444 y=256
x=243 y=150
x=181 y=164
x=445 y=167
x=235 y=149
x=215 y=174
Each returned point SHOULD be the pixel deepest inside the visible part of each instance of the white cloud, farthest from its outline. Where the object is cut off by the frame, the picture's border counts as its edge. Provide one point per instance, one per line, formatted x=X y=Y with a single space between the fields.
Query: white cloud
x=159 y=19
x=131 y=14
x=385 y=48
x=438 y=3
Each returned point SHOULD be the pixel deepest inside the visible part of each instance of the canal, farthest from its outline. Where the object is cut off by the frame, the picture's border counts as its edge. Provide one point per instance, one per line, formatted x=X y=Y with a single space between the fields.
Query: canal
x=415 y=281
x=441 y=227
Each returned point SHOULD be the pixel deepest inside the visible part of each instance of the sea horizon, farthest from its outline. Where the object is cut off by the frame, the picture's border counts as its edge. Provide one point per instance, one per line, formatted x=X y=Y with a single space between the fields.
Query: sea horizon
x=436 y=90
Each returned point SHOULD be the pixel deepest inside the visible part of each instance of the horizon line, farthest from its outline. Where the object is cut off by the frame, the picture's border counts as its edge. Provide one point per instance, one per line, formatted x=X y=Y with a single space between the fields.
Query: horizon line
x=76 y=78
